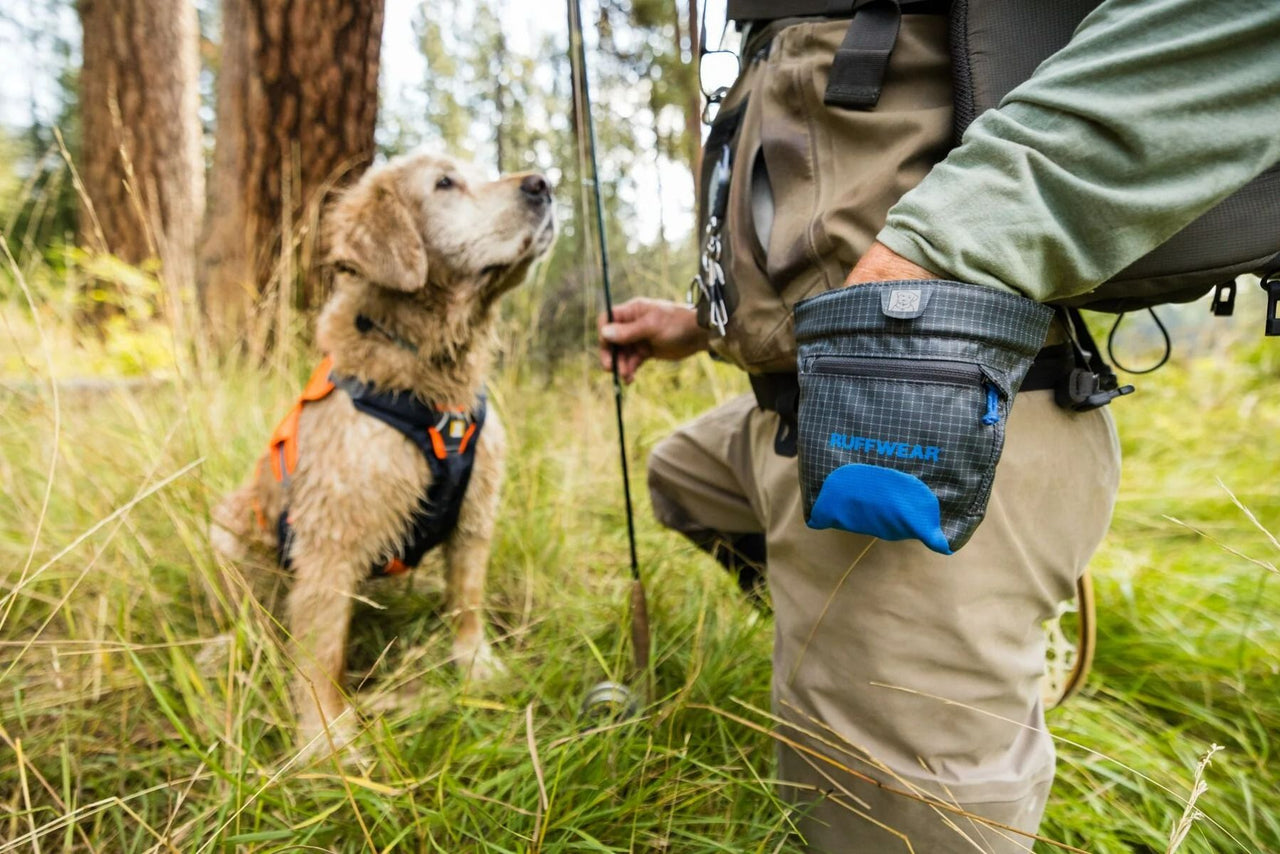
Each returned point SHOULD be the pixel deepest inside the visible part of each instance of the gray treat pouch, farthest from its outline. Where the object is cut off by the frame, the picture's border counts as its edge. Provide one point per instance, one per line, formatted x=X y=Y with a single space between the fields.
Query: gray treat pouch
x=905 y=388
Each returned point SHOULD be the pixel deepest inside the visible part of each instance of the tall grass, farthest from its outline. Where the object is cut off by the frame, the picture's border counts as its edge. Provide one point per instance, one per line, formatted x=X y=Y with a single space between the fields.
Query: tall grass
x=142 y=712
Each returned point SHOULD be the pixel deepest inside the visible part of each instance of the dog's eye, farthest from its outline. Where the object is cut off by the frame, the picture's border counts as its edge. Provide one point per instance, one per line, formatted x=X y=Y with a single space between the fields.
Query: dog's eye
x=444 y=183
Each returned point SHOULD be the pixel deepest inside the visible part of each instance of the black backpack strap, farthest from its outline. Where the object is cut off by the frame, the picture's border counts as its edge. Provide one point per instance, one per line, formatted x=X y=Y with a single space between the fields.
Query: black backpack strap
x=857 y=72
x=769 y=10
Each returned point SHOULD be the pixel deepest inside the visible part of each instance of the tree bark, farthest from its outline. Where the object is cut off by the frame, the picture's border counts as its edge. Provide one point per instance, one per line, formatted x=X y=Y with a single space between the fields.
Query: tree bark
x=693 y=106
x=142 y=166
x=297 y=106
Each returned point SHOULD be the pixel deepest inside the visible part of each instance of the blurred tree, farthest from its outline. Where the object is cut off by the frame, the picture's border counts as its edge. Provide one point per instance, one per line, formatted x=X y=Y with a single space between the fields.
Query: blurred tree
x=296 y=111
x=490 y=100
x=693 y=92
x=446 y=79
x=141 y=163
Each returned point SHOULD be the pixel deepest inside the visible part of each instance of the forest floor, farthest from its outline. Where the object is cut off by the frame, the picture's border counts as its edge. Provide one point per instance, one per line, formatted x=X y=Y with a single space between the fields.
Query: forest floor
x=127 y=726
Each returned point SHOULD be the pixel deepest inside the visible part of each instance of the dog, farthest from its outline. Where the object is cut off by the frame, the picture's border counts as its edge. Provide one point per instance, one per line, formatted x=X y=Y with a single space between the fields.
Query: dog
x=390 y=449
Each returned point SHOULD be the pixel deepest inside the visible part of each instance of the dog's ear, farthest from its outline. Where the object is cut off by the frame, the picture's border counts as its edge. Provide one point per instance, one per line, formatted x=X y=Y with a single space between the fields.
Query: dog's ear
x=371 y=231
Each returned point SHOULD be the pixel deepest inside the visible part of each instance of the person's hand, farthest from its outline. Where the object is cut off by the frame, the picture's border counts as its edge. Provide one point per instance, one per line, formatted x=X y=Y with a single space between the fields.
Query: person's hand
x=644 y=329
x=882 y=264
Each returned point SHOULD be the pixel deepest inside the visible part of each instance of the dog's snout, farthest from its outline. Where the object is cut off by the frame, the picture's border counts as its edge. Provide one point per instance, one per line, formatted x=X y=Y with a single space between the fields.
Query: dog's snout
x=536 y=189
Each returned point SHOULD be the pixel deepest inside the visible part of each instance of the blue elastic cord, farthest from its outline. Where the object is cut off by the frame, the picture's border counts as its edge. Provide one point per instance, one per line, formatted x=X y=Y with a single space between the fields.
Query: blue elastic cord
x=993 y=407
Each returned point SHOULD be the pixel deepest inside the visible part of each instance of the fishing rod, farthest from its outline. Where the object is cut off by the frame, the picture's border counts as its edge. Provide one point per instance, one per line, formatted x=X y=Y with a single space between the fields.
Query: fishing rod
x=608 y=693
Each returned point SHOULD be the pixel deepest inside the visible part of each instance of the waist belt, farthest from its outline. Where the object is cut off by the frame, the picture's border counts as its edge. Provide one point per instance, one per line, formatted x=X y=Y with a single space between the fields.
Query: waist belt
x=857 y=70
x=1048 y=369
x=780 y=392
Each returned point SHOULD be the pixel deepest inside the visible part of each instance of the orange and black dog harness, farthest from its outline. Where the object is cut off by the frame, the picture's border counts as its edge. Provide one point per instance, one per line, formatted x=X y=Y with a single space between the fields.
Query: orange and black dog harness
x=446 y=436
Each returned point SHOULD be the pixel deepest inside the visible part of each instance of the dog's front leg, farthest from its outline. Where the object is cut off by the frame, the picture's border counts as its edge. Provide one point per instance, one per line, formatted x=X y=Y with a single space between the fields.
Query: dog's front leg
x=467 y=556
x=319 y=613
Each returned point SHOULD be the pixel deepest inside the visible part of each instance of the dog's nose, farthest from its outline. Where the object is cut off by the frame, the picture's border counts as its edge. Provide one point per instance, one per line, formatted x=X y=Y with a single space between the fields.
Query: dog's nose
x=536 y=189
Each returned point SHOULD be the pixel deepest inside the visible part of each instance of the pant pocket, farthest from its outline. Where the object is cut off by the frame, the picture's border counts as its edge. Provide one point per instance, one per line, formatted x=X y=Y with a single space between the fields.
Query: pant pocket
x=905 y=388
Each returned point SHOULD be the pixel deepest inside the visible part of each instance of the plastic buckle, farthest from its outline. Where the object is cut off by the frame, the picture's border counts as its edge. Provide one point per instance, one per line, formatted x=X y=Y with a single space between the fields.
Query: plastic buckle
x=1271 y=284
x=1083 y=390
x=1224 y=299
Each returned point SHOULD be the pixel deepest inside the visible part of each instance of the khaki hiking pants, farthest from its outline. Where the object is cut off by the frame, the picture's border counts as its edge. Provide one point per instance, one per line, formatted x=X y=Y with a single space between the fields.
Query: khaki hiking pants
x=896 y=663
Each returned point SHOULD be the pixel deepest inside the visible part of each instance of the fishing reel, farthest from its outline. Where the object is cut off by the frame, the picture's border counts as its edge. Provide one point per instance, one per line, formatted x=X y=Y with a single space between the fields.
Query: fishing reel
x=607 y=703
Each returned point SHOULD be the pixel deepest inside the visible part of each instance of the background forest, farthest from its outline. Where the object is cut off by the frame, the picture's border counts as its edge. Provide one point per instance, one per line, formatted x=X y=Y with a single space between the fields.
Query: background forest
x=162 y=169
x=217 y=130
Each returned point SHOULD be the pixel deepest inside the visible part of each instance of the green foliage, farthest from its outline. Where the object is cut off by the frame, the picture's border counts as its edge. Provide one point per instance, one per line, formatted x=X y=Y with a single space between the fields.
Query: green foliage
x=487 y=99
x=127 y=721
x=39 y=210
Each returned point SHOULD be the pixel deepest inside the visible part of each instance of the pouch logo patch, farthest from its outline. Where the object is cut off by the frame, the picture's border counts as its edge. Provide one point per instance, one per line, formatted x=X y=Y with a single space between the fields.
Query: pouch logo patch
x=885 y=447
x=906 y=301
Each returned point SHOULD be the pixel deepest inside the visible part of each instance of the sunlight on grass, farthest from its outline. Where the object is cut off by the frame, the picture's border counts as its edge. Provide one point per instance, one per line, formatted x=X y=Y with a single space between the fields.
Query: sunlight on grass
x=145 y=711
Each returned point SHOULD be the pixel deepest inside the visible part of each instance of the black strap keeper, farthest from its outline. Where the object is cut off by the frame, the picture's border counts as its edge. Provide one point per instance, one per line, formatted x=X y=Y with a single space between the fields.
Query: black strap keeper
x=858 y=69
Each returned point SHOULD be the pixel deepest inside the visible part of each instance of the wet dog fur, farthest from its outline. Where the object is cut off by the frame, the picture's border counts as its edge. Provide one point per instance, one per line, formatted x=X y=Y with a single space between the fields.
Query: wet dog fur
x=424 y=246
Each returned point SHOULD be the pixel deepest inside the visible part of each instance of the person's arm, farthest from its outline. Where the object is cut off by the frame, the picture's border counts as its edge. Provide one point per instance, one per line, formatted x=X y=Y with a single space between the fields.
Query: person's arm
x=1152 y=114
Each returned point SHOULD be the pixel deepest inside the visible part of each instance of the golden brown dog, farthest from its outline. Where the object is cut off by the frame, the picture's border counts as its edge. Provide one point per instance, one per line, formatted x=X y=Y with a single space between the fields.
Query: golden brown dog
x=421 y=248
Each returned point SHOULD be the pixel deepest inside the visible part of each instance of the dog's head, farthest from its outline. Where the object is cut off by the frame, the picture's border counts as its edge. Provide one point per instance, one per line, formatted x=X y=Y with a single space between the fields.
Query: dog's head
x=426 y=223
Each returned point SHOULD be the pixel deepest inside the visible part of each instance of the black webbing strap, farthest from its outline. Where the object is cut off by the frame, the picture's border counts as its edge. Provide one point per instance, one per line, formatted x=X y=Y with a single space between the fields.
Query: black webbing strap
x=1050 y=366
x=857 y=71
x=743 y=11
x=780 y=393
x=858 y=68
x=769 y=10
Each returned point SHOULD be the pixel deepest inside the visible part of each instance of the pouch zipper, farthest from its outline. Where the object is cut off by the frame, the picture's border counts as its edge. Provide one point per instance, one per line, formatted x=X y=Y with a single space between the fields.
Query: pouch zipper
x=912 y=370
x=920 y=370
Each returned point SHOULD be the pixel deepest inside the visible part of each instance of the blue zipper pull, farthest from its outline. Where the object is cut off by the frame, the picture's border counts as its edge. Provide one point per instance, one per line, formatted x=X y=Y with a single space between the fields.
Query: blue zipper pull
x=992 y=415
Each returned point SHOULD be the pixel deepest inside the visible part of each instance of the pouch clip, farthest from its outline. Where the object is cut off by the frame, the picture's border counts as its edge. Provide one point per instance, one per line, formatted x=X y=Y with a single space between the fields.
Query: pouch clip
x=1082 y=390
x=1224 y=299
x=1271 y=284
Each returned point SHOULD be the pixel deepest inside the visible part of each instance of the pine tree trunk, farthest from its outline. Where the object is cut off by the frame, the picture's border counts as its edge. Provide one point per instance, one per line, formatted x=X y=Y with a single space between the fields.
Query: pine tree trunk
x=693 y=106
x=297 y=106
x=142 y=166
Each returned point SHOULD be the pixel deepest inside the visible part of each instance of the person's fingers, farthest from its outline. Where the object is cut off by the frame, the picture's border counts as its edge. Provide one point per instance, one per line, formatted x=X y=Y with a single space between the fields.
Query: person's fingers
x=630 y=358
x=628 y=363
x=606 y=357
x=633 y=322
x=627 y=312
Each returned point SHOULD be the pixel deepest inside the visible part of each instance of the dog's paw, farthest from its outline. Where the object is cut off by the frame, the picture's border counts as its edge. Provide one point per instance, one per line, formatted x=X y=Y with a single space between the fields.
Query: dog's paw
x=477 y=661
x=226 y=543
x=211 y=660
x=316 y=740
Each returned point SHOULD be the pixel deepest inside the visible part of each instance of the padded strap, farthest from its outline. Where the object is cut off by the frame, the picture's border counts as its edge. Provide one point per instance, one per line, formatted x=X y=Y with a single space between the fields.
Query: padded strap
x=857 y=72
x=772 y=10
x=768 y=10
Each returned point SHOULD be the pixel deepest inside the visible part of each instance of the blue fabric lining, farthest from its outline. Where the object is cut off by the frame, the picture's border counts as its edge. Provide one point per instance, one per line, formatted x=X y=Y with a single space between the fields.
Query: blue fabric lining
x=880 y=502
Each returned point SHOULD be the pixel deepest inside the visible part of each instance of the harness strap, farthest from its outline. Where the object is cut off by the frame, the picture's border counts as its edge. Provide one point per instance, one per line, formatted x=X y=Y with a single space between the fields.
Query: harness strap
x=282 y=449
x=857 y=71
x=446 y=436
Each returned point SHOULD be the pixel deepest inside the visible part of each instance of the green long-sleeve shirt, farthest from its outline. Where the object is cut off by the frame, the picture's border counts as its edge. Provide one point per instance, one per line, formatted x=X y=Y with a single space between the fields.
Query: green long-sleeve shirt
x=1152 y=114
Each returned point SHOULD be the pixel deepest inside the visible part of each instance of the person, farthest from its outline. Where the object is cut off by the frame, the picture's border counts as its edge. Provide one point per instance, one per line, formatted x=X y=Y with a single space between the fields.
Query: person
x=907 y=681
